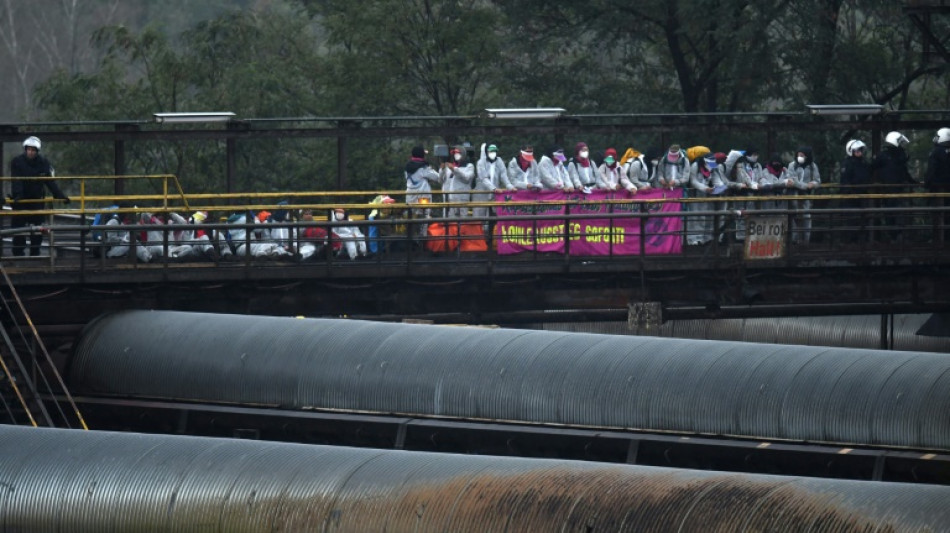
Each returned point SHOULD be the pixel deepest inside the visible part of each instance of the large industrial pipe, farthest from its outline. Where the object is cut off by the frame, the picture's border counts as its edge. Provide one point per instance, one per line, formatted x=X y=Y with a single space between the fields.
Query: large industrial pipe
x=829 y=395
x=897 y=332
x=70 y=480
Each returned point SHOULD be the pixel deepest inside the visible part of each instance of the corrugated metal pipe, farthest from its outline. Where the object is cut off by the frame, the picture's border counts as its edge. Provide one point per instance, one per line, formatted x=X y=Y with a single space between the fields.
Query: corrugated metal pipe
x=897 y=332
x=68 y=480
x=801 y=393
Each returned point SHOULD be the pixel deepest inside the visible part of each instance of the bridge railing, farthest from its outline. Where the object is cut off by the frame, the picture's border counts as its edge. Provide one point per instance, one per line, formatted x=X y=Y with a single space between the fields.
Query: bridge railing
x=569 y=231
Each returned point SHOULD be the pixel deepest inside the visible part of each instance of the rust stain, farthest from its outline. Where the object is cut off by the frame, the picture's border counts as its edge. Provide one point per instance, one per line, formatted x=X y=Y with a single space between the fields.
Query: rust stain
x=600 y=499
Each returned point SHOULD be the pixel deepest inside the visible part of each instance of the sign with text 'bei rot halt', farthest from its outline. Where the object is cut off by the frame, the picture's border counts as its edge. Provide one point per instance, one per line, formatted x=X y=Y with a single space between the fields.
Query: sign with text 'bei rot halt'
x=588 y=233
x=765 y=237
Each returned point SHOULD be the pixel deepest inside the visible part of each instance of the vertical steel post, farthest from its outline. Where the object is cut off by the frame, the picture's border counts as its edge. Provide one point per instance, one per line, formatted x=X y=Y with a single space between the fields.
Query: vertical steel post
x=231 y=145
x=342 y=145
x=119 y=165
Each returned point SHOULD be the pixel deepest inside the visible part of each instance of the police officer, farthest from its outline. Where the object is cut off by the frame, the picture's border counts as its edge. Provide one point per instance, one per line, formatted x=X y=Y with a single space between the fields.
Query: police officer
x=855 y=179
x=30 y=164
x=938 y=176
x=890 y=169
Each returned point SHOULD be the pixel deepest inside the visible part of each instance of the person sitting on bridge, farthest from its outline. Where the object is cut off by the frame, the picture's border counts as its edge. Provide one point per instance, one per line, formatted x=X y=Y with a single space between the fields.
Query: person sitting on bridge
x=119 y=240
x=353 y=240
x=188 y=243
x=275 y=229
x=153 y=240
x=261 y=247
x=311 y=238
x=163 y=240
x=30 y=164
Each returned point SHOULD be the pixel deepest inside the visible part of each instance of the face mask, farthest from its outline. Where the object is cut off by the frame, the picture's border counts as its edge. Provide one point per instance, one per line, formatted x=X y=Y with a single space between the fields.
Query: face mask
x=338 y=216
x=673 y=157
x=801 y=160
x=752 y=158
x=609 y=160
x=528 y=156
x=492 y=155
x=560 y=157
x=583 y=154
x=458 y=157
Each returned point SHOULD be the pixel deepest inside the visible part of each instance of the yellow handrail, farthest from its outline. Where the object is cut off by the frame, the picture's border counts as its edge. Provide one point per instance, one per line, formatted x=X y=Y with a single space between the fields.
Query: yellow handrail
x=170 y=201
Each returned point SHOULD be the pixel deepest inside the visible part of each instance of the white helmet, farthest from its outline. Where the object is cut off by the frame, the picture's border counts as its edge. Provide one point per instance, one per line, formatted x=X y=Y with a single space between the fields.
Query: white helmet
x=853 y=146
x=32 y=141
x=943 y=137
x=896 y=139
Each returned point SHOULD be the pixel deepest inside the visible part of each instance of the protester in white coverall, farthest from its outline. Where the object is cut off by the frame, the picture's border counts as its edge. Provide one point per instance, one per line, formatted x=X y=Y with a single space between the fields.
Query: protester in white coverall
x=353 y=240
x=119 y=239
x=492 y=178
x=259 y=248
x=418 y=188
x=456 y=176
x=554 y=173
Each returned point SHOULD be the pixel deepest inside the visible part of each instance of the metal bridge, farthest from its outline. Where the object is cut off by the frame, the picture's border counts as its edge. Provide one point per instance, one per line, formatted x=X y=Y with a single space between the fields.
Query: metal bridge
x=869 y=260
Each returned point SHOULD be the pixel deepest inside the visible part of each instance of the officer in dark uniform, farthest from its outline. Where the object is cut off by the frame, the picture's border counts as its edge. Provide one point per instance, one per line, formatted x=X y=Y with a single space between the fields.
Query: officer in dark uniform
x=30 y=164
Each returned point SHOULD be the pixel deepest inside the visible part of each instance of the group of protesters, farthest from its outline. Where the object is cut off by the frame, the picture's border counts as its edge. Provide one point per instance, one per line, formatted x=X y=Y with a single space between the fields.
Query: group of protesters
x=262 y=234
x=695 y=172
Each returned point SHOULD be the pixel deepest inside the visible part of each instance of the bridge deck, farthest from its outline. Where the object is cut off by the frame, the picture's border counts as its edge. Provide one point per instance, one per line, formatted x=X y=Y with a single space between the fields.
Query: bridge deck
x=850 y=265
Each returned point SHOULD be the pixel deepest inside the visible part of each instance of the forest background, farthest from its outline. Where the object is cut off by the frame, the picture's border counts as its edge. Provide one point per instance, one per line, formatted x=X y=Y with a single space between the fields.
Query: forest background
x=115 y=60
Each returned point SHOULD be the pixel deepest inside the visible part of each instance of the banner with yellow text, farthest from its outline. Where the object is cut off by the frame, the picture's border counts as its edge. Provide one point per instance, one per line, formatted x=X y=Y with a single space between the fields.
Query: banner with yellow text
x=594 y=235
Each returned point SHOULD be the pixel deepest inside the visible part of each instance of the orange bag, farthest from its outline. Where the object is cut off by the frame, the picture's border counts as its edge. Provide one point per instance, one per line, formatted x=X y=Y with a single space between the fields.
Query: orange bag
x=445 y=244
x=476 y=238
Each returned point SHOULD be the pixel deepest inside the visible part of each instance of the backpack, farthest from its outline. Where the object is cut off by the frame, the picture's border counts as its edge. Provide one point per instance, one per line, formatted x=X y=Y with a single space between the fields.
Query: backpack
x=101 y=219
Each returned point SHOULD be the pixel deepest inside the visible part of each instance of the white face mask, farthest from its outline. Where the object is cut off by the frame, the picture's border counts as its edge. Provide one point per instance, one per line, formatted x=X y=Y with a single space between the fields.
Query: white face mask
x=752 y=158
x=338 y=216
x=491 y=156
x=458 y=157
x=583 y=154
x=801 y=160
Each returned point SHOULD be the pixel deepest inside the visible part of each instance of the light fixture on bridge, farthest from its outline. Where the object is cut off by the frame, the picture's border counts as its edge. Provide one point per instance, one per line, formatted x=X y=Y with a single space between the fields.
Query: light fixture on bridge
x=525 y=112
x=846 y=109
x=186 y=118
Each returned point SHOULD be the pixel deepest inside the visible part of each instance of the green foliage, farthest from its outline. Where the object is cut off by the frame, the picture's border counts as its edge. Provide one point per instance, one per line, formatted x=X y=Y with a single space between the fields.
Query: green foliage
x=335 y=58
x=417 y=57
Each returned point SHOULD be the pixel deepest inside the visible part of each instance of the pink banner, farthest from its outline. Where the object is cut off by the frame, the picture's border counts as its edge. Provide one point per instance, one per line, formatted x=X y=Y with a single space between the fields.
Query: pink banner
x=589 y=236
